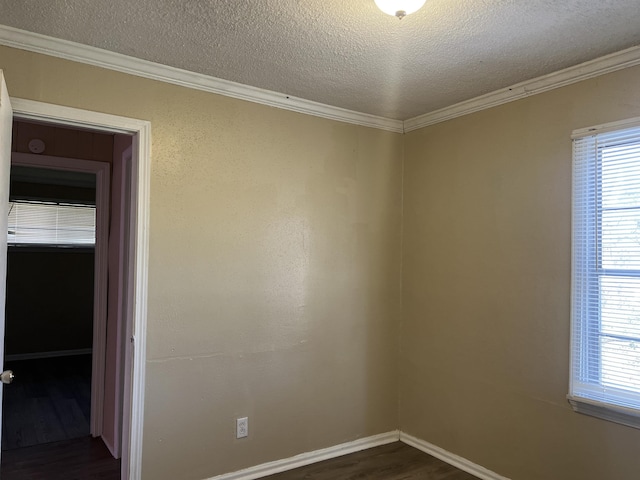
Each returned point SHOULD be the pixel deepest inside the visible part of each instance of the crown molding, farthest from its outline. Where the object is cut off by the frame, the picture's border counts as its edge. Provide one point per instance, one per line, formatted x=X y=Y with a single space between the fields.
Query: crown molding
x=34 y=42
x=584 y=71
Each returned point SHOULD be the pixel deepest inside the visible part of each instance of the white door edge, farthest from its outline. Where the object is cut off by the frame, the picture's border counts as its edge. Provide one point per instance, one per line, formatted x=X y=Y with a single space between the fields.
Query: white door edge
x=6 y=115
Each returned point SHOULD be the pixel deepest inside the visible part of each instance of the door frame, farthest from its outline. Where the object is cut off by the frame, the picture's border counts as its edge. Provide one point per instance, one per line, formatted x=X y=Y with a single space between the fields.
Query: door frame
x=135 y=355
x=101 y=170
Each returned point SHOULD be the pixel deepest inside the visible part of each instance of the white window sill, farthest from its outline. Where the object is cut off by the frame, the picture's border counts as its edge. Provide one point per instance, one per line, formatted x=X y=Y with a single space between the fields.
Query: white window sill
x=625 y=416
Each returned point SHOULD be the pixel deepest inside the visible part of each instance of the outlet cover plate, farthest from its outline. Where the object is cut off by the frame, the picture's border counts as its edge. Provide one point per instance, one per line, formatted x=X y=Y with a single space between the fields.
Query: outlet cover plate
x=242 y=427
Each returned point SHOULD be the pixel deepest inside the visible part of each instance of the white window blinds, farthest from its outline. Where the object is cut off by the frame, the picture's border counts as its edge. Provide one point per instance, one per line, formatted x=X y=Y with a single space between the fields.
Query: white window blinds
x=605 y=349
x=42 y=223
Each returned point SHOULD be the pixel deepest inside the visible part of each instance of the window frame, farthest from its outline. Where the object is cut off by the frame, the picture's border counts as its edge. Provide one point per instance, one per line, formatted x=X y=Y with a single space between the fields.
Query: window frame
x=587 y=229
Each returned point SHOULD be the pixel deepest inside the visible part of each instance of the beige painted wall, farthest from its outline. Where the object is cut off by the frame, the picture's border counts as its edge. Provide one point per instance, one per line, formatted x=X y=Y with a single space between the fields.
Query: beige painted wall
x=275 y=277
x=486 y=288
x=274 y=281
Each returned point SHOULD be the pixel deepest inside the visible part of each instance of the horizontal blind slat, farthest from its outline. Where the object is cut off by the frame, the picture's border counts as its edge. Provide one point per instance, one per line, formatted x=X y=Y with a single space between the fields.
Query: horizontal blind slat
x=40 y=223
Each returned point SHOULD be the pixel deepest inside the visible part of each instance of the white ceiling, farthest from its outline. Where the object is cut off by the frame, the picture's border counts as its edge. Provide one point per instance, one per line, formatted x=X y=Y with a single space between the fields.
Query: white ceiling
x=347 y=53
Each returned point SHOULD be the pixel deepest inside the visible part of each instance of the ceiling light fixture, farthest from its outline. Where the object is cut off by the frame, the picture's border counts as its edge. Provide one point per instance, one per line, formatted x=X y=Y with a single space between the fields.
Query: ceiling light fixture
x=399 y=8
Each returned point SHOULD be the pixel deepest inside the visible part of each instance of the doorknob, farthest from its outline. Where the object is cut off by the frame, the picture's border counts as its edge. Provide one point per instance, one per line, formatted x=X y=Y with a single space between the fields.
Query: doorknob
x=6 y=376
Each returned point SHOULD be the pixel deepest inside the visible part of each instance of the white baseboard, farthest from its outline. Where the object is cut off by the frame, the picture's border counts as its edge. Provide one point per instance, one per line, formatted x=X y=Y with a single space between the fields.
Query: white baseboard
x=450 y=458
x=278 y=466
x=57 y=353
x=303 y=459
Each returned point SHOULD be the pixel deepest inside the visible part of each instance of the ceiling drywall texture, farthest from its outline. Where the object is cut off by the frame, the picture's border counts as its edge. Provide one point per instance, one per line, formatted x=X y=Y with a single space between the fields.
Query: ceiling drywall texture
x=347 y=53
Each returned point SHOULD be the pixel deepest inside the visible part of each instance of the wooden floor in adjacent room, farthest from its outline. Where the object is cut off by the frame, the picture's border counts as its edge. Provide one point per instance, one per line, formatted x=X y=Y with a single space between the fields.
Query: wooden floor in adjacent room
x=49 y=401
x=79 y=459
x=395 y=461
x=45 y=428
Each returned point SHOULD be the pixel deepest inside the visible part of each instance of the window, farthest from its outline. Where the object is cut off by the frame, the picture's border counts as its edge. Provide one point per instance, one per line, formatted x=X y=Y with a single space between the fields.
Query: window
x=605 y=348
x=46 y=223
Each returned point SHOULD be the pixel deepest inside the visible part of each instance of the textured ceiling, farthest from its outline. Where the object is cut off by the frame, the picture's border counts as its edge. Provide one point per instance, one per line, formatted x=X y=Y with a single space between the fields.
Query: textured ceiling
x=347 y=53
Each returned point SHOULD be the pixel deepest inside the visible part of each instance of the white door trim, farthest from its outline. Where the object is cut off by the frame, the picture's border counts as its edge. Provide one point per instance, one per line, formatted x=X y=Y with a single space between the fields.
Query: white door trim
x=133 y=404
x=98 y=358
x=6 y=115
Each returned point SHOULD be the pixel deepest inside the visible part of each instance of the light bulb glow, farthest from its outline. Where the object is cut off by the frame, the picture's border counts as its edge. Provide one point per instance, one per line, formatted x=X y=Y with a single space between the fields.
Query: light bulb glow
x=399 y=8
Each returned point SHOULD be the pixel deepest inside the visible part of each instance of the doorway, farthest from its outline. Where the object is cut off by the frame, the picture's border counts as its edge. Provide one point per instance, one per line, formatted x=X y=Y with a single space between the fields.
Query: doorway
x=134 y=348
x=49 y=306
x=61 y=275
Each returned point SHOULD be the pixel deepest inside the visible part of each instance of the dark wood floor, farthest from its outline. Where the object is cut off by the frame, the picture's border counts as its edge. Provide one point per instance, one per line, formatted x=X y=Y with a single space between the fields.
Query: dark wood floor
x=395 y=461
x=49 y=401
x=79 y=459
x=89 y=459
x=45 y=427
x=48 y=407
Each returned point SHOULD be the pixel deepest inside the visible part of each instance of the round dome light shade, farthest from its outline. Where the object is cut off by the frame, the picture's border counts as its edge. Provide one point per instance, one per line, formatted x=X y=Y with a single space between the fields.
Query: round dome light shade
x=399 y=8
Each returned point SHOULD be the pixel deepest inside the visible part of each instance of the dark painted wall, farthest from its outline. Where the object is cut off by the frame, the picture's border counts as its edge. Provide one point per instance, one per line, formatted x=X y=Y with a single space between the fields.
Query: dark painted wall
x=49 y=299
x=63 y=141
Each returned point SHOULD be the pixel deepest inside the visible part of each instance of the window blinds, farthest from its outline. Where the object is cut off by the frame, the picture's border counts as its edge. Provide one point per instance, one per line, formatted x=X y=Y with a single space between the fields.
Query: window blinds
x=606 y=270
x=40 y=223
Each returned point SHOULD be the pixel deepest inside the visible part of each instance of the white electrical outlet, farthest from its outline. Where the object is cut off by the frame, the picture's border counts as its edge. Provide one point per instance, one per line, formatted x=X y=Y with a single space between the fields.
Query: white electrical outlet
x=242 y=427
